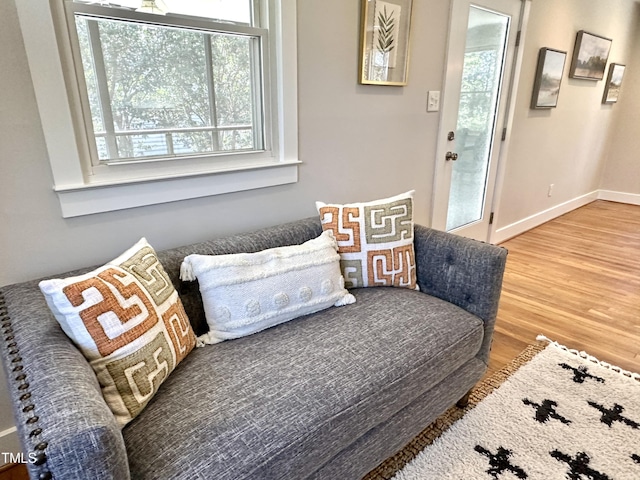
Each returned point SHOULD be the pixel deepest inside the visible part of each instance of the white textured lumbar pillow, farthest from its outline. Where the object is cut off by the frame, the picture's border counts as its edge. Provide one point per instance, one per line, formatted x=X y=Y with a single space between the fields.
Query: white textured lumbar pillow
x=245 y=293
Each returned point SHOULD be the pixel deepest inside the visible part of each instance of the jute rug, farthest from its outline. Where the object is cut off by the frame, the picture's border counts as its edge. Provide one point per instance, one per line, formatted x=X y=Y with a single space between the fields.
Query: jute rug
x=553 y=413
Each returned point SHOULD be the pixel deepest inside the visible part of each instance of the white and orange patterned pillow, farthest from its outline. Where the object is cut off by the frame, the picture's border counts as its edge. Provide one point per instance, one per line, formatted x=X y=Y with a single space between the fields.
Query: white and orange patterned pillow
x=129 y=323
x=375 y=241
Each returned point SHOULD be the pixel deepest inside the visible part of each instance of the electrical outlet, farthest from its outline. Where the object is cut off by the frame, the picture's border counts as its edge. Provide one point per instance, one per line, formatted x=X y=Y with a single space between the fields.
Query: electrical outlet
x=433 y=101
x=550 y=191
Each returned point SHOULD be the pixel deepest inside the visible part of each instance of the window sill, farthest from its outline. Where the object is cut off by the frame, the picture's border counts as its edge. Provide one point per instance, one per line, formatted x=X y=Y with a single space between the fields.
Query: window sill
x=86 y=199
x=84 y=191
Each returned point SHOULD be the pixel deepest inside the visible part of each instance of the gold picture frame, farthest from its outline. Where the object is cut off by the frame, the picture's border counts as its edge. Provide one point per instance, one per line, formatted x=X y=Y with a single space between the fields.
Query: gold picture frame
x=384 y=40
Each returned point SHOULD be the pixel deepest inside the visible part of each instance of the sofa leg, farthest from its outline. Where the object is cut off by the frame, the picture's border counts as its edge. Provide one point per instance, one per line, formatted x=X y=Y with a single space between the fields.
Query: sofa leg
x=464 y=401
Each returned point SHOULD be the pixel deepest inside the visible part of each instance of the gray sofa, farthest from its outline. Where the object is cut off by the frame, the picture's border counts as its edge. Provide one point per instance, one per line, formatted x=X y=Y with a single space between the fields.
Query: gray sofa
x=326 y=396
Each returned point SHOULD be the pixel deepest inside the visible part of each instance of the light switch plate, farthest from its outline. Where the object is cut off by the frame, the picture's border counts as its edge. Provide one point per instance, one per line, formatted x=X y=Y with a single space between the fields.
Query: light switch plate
x=433 y=101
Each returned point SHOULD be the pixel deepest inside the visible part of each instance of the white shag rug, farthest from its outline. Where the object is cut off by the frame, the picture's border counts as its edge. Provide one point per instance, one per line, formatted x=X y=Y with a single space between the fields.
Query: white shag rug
x=563 y=415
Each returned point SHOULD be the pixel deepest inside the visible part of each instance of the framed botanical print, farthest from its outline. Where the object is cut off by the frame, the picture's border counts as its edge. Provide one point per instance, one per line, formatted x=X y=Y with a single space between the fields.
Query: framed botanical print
x=384 y=56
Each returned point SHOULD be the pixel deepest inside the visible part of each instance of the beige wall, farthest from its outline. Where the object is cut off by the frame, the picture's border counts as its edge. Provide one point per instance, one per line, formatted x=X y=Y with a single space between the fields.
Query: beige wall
x=566 y=146
x=356 y=142
x=622 y=171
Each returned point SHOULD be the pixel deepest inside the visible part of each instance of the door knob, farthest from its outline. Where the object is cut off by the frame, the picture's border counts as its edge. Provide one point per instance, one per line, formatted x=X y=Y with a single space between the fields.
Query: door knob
x=451 y=156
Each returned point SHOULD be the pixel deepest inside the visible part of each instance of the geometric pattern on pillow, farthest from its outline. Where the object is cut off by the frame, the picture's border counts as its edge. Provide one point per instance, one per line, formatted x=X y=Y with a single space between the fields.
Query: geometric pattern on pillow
x=375 y=241
x=129 y=323
x=245 y=293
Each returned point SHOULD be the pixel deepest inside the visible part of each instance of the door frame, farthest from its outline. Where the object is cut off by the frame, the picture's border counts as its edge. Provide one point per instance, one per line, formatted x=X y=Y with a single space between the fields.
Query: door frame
x=456 y=36
x=514 y=83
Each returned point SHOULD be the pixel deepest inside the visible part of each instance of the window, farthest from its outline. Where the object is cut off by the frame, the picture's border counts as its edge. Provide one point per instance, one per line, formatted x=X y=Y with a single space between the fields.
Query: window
x=158 y=89
x=157 y=94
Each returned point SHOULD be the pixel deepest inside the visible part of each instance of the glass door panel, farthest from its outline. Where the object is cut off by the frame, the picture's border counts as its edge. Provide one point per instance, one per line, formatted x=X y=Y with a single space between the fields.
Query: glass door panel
x=484 y=58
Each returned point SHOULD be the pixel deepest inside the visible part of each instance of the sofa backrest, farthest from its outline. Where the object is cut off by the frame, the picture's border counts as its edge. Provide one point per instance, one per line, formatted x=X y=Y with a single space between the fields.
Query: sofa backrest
x=293 y=233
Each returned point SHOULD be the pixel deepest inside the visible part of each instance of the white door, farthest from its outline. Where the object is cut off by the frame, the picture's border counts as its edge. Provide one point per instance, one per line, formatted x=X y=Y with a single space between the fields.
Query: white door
x=480 y=60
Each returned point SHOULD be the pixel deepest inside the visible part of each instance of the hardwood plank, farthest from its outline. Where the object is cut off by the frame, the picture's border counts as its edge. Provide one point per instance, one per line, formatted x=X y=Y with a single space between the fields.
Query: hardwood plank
x=576 y=280
x=13 y=472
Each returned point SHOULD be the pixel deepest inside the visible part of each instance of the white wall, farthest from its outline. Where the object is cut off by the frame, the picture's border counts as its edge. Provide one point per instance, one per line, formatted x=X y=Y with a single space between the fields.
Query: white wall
x=566 y=146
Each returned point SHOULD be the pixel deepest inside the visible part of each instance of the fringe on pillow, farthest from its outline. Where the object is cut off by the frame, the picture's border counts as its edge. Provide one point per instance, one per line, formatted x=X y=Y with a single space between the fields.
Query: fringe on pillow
x=186 y=271
x=207 y=339
x=348 y=299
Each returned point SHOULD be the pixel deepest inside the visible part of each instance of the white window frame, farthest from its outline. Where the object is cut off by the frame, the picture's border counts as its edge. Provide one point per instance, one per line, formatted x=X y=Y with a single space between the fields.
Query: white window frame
x=84 y=189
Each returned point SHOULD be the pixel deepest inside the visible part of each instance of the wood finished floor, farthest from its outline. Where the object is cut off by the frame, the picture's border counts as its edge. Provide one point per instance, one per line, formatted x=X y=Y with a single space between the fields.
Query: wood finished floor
x=13 y=472
x=575 y=279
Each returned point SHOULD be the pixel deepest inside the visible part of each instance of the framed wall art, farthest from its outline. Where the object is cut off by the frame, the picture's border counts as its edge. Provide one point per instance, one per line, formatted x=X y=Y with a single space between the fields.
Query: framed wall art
x=546 y=87
x=590 y=56
x=384 y=56
x=614 y=82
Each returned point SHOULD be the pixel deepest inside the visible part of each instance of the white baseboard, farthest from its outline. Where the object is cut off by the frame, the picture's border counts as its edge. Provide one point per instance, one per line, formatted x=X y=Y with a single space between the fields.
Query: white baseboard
x=620 y=197
x=521 y=226
x=9 y=443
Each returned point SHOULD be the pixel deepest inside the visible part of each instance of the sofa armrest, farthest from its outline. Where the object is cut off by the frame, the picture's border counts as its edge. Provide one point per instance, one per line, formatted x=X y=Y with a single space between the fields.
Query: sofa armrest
x=461 y=271
x=65 y=426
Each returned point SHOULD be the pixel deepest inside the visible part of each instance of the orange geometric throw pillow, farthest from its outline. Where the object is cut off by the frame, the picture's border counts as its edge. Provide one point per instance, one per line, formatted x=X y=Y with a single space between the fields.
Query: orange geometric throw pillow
x=375 y=241
x=129 y=323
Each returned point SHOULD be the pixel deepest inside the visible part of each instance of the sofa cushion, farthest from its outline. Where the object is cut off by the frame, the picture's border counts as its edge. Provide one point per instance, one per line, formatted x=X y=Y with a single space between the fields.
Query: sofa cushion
x=245 y=293
x=128 y=321
x=375 y=241
x=284 y=402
